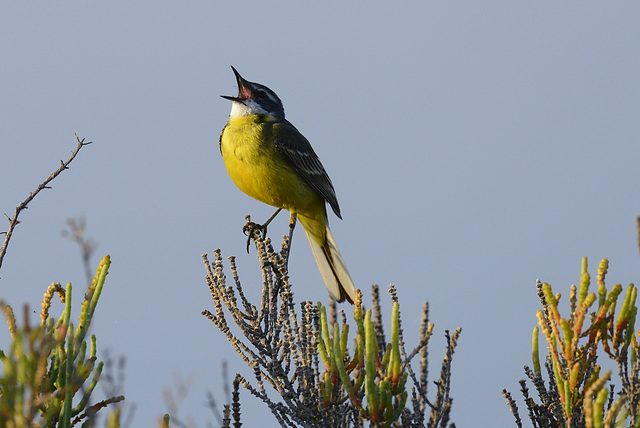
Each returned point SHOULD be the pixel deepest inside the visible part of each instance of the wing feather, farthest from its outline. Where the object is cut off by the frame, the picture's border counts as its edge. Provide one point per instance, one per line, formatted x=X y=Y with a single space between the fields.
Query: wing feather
x=297 y=151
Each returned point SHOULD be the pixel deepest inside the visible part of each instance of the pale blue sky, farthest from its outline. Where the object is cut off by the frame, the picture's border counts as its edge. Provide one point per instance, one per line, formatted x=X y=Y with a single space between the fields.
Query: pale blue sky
x=473 y=148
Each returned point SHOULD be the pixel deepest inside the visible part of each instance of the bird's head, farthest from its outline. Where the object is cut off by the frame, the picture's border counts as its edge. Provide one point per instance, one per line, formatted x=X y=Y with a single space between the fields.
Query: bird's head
x=254 y=98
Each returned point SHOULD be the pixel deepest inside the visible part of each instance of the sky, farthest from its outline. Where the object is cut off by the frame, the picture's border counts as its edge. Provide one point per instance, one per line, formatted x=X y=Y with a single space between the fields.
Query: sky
x=474 y=147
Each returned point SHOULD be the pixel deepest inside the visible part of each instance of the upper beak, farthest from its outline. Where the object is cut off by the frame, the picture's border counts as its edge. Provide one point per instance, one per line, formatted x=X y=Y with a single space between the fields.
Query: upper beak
x=244 y=88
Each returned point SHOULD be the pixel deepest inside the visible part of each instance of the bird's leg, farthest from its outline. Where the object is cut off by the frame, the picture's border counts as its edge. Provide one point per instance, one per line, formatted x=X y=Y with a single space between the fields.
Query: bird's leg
x=293 y=217
x=250 y=228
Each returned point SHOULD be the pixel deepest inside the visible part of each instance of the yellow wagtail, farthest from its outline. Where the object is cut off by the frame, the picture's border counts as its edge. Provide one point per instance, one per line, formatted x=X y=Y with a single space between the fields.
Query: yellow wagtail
x=271 y=161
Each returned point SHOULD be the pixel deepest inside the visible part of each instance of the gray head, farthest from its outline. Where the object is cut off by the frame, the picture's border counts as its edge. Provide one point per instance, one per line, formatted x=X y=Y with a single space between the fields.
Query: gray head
x=254 y=98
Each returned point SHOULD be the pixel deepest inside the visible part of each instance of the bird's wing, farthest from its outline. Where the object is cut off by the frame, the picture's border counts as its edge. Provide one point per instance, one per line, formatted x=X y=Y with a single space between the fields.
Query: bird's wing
x=297 y=151
x=220 y=139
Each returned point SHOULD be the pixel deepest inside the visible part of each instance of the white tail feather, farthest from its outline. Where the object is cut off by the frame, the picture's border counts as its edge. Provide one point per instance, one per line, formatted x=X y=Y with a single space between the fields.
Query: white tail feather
x=332 y=268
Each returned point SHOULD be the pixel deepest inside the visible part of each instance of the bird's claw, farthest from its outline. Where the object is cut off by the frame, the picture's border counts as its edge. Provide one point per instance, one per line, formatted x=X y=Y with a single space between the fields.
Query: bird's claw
x=250 y=229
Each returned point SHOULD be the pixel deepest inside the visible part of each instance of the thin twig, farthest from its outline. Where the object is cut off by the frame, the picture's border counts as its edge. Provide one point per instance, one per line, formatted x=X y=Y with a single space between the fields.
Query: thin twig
x=76 y=232
x=13 y=221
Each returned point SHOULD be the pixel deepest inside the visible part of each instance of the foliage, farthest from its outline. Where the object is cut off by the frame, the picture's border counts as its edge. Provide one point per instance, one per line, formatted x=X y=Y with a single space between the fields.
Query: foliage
x=288 y=349
x=383 y=379
x=576 y=394
x=50 y=371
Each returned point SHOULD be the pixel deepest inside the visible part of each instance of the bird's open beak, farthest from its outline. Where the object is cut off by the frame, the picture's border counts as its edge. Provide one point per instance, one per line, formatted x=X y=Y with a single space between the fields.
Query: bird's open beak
x=244 y=88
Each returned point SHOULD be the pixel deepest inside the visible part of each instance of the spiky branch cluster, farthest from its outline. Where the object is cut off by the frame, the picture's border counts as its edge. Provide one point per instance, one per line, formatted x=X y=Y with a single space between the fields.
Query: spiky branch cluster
x=577 y=394
x=304 y=355
x=382 y=377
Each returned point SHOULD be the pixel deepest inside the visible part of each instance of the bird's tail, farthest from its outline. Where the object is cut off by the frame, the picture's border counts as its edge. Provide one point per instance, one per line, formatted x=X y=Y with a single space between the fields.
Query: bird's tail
x=332 y=267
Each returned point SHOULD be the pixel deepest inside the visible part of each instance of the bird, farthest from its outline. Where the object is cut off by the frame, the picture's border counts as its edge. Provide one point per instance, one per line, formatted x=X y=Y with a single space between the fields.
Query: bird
x=271 y=161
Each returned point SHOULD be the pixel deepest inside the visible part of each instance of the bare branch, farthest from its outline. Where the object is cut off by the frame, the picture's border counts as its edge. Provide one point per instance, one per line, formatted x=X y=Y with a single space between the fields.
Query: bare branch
x=13 y=221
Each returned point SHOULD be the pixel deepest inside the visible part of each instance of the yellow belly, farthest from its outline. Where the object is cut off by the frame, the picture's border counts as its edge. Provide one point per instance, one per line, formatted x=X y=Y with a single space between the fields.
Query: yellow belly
x=259 y=170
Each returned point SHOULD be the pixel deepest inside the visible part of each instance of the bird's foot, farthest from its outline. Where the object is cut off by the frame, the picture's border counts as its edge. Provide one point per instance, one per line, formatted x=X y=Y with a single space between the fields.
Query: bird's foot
x=253 y=230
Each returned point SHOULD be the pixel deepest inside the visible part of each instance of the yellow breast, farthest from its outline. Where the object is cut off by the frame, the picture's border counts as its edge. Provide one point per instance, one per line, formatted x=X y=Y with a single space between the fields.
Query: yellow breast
x=256 y=166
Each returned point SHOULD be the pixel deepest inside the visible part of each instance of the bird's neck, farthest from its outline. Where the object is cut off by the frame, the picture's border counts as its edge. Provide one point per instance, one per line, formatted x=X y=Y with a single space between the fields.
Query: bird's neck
x=250 y=119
